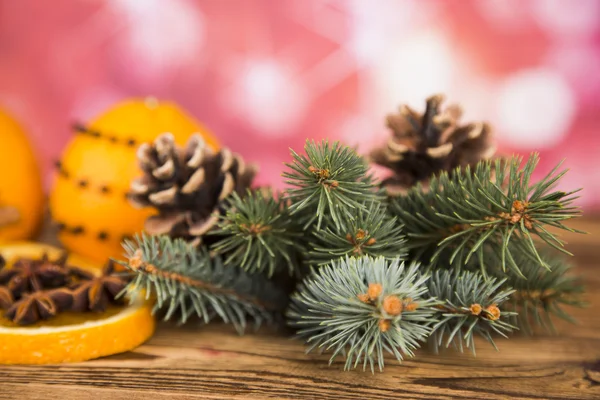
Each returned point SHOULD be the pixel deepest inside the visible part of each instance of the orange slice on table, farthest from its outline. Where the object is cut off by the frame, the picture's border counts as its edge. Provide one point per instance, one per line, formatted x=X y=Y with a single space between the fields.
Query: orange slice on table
x=72 y=337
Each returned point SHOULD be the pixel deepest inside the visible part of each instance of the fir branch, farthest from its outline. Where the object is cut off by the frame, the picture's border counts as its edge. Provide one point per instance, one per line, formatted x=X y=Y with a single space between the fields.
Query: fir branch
x=363 y=307
x=185 y=281
x=329 y=180
x=493 y=206
x=259 y=235
x=543 y=294
x=372 y=231
x=471 y=306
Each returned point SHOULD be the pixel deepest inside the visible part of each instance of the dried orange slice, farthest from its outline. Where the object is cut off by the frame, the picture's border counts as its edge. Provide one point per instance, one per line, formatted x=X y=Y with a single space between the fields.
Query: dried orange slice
x=72 y=337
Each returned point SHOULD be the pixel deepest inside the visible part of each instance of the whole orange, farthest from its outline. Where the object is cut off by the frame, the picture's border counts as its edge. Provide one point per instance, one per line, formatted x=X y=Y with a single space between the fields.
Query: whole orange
x=21 y=193
x=88 y=200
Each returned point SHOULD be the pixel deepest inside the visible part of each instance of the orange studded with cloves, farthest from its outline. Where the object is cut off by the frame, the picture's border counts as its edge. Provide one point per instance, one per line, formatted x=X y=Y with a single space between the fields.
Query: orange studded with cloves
x=89 y=198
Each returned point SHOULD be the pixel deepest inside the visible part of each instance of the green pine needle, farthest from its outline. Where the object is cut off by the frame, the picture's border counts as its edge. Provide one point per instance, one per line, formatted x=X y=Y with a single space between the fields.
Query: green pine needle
x=544 y=294
x=259 y=234
x=346 y=308
x=372 y=231
x=463 y=213
x=186 y=282
x=330 y=179
x=471 y=306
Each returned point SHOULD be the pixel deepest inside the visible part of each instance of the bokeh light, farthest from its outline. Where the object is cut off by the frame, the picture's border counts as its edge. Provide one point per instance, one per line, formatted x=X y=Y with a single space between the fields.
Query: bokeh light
x=265 y=75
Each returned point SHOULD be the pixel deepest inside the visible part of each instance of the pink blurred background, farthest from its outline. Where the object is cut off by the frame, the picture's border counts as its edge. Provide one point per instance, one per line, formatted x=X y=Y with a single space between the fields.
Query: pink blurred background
x=266 y=74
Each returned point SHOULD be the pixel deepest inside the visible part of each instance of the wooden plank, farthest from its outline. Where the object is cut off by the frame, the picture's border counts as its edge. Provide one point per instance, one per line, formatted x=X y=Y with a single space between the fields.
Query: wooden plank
x=213 y=362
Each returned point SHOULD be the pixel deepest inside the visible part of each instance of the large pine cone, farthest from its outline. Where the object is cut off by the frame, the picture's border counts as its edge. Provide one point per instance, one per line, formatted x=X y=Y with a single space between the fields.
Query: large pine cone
x=187 y=186
x=423 y=145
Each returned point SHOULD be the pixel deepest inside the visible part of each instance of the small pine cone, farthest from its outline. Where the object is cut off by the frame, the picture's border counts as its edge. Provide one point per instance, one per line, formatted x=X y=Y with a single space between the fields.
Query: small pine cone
x=423 y=145
x=187 y=185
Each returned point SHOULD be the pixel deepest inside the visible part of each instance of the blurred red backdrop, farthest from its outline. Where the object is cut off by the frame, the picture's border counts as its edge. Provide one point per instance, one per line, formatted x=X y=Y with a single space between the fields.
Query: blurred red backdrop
x=265 y=75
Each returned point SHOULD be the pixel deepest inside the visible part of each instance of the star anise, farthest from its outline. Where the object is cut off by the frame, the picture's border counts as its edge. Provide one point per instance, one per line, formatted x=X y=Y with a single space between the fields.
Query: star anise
x=95 y=293
x=39 y=306
x=27 y=274
x=6 y=298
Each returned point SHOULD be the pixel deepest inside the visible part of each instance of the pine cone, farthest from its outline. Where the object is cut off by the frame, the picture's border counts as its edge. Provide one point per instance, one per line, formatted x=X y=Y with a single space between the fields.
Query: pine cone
x=187 y=186
x=423 y=145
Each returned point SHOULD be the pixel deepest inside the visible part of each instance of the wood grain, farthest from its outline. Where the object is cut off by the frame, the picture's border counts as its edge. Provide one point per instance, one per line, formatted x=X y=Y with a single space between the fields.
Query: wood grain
x=214 y=363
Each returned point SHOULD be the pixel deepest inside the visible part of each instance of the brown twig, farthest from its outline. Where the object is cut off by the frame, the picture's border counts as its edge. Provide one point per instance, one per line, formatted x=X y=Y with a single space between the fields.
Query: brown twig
x=137 y=263
x=9 y=215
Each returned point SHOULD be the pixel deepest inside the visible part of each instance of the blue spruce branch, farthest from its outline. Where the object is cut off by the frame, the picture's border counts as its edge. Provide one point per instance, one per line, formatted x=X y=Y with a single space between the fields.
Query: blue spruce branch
x=185 y=281
x=362 y=308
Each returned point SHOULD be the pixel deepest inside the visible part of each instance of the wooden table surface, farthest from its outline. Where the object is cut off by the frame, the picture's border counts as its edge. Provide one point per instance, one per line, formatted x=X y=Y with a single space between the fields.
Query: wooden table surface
x=214 y=363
